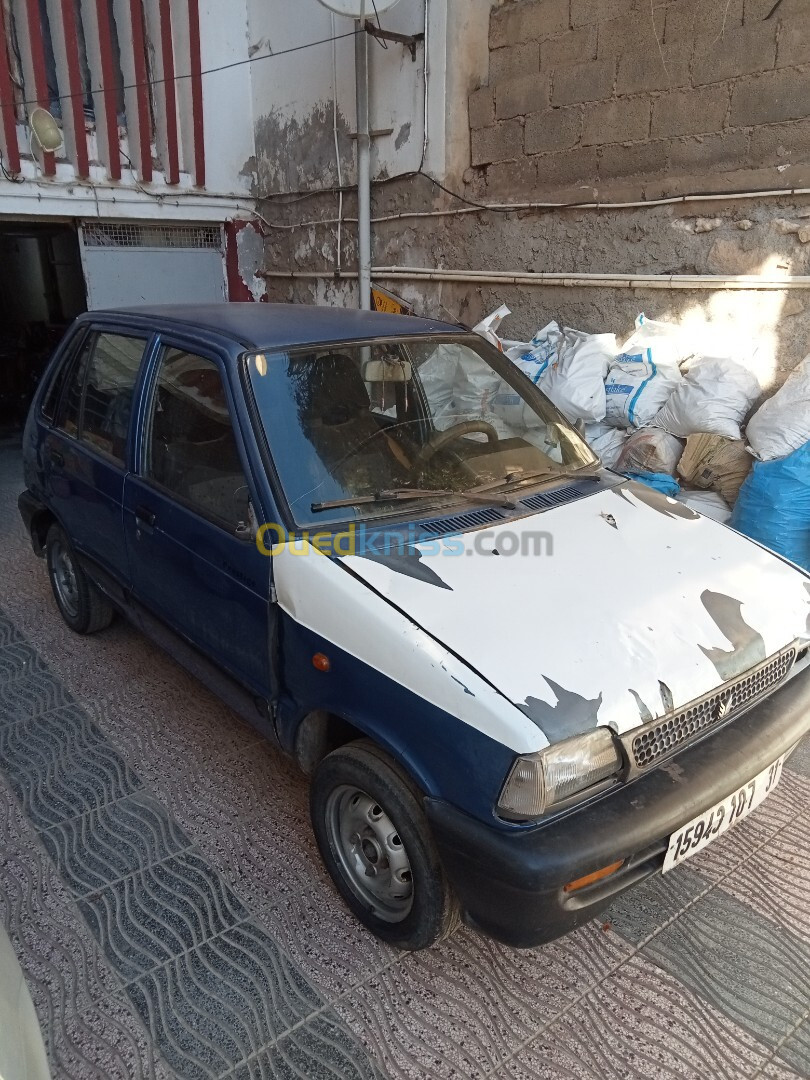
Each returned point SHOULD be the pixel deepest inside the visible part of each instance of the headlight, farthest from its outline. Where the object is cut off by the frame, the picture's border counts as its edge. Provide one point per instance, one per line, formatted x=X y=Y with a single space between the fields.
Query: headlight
x=537 y=782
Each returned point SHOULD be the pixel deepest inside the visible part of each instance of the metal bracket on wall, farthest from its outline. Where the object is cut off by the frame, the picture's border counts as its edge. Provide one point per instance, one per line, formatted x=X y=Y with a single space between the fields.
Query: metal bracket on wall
x=410 y=41
x=377 y=133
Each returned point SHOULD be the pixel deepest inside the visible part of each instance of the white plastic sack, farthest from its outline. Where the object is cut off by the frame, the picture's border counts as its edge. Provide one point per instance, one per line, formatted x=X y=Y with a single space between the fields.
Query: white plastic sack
x=668 y=343
x=575 y=382
x=650 y=451
x=644 y=374
x=488 y=327
x=713 y=399
x=708 y=503
x=636 y=388
x=606 y=441
x=782 y=423
x=535 y=356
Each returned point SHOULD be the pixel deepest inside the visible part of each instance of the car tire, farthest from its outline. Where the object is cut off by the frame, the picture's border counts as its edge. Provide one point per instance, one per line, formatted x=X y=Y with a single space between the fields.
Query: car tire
x=81 y=604
x=376 y=843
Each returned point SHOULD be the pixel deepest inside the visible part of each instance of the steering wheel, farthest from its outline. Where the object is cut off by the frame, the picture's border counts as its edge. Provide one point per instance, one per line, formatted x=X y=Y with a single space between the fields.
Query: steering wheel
x=457 y=431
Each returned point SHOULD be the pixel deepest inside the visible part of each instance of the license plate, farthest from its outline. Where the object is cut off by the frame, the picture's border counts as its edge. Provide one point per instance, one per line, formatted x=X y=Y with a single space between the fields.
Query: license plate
x=702 y=830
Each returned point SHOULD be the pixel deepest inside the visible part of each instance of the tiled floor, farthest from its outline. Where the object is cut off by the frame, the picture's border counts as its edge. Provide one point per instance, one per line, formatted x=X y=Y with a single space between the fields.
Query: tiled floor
x=161 y=887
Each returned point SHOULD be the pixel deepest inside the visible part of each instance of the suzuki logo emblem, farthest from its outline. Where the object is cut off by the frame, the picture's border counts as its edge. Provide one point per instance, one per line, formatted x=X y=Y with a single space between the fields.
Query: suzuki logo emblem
x=725 y=706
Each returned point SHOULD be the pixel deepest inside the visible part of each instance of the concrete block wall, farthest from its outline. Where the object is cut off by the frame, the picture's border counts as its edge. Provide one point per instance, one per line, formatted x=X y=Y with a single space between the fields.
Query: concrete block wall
x=643 y=97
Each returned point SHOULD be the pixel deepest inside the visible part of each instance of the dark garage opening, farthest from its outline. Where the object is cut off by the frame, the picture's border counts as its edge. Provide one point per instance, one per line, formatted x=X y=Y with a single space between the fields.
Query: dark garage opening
x=41 y=292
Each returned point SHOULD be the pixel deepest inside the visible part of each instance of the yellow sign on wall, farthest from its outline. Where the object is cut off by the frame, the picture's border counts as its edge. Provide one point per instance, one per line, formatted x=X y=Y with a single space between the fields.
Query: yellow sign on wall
x=388 y=302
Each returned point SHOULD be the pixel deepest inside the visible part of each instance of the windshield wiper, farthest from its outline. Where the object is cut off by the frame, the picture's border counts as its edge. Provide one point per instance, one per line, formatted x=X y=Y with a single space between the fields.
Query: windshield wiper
x=405 y=494
x=385 y=495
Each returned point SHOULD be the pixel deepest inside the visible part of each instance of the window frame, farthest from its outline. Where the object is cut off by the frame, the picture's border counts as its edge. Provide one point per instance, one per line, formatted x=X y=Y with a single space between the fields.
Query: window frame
x=162 y=344
x=61 y=369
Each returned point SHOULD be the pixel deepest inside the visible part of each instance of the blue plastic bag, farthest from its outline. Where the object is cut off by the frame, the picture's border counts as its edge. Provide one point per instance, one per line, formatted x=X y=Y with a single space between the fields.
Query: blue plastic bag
x=661 y=481
x=774 y=506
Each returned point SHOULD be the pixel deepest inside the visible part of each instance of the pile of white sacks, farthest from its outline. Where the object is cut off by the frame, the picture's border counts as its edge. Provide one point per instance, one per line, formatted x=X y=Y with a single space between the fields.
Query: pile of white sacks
x=654 y=409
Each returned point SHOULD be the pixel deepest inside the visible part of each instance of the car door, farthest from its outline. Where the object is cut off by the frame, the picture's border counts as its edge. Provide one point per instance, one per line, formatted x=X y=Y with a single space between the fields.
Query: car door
x=189 y=516
x=86 y=448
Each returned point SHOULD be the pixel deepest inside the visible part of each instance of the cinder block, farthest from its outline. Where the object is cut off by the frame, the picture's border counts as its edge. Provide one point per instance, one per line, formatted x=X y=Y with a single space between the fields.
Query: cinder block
x=794 y=41
x=744 y=51
x=700 y=155
x=584 y=12
x=705 y=21
x=532 y=20
x=514 y=61
x=577 y=166
x=770 y=98
x=779 y=144
x=509 y=178
x=516 y=97
x=690 y=112
x=575 y=47
x=648 y=159
x=633 y=33
x=482 y=107
x=502 y=142
x=584 y=82
x=553 y=129
x=652 y=70
x=623 y=120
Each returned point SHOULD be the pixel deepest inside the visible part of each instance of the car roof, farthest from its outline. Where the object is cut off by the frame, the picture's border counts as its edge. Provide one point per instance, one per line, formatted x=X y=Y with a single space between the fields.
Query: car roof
x=275 y=326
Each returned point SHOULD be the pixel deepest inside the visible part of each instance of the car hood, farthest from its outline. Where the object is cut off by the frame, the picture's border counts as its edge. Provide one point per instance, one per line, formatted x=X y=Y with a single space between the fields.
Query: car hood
x=609 y=610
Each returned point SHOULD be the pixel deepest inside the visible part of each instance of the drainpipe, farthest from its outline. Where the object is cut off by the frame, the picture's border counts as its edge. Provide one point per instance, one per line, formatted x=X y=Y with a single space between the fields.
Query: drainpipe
x=363 y=164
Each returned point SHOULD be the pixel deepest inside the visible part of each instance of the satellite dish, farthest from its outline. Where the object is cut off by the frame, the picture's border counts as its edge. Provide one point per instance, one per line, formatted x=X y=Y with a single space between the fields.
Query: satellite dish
x=45 y=130
x=357 y=9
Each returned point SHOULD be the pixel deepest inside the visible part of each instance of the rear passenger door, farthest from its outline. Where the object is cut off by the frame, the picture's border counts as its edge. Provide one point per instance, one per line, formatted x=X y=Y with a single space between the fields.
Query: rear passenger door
x=187 y=519
x=86 y=448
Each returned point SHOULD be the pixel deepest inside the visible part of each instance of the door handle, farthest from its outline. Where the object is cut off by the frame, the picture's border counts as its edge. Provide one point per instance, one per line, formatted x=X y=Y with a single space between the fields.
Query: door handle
x=56 y=458
x=145 y=515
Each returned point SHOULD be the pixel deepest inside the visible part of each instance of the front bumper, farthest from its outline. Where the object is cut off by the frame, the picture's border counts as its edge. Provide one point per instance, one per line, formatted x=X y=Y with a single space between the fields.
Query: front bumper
x=510 y=881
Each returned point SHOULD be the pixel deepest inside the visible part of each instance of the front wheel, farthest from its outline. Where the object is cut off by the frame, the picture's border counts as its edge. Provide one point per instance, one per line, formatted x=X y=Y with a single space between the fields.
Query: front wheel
x=376 y=844
x=83 y=607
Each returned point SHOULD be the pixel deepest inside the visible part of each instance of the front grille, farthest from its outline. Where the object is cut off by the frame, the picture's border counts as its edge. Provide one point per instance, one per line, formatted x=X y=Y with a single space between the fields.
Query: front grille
x=659 y=738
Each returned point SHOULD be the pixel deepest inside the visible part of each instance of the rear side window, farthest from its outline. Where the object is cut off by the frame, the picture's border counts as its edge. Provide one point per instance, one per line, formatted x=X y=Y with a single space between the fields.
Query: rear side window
x=110 y=384
x=53 y=393
x=98 y=394
x=191 y=447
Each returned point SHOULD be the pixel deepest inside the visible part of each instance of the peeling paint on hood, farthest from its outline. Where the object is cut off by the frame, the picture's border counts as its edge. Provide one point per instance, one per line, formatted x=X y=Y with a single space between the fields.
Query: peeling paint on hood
x=614 y=626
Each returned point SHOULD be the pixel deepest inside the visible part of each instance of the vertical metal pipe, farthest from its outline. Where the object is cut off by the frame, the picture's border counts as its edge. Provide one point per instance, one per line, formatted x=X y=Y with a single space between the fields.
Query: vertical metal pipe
x=363 y=166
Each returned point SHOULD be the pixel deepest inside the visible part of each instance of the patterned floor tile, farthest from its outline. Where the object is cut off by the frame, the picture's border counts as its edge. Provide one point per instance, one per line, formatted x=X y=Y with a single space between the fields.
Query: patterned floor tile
x=751 y=969
x=639 y=1025
x=218 y=1004
x=106 y=1042
x=459 y=1009
x=317 y=1050
x=110 y=843
x=160 y=912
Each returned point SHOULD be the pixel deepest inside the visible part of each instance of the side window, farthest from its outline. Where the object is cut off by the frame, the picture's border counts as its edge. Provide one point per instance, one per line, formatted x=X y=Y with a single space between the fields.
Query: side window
x=111 y=376
x=190 y=443
x=50 y=403
x=97 y=401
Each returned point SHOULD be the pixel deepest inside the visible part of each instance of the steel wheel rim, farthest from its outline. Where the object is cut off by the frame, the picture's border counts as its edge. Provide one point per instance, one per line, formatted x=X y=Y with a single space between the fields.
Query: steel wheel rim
x=64 y=580
x=370 y=852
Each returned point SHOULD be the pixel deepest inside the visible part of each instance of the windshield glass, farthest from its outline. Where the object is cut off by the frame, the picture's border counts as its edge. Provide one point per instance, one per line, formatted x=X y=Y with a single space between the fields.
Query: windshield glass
x=376 y=422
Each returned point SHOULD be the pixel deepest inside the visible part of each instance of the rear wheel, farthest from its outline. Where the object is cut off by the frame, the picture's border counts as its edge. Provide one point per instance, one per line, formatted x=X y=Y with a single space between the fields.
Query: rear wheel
x=376 y=843
x=83 y=607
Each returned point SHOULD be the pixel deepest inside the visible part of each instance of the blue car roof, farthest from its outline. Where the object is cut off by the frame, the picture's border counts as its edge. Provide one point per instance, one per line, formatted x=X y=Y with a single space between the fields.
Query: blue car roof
x=278 y=326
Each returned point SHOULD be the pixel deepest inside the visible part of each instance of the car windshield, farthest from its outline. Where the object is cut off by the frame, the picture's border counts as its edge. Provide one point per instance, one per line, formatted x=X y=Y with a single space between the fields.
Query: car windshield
x=367 y=430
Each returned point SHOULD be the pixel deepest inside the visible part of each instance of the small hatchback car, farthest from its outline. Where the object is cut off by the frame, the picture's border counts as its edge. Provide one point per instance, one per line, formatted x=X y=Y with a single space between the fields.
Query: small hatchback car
x=520 y=683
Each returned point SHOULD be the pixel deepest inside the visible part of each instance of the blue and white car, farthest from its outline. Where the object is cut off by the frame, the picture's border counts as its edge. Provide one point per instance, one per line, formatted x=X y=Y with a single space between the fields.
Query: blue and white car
x=519 y=682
